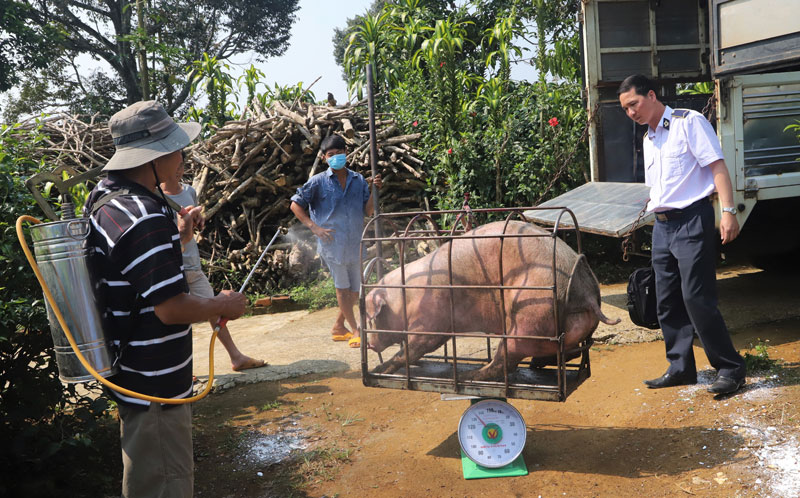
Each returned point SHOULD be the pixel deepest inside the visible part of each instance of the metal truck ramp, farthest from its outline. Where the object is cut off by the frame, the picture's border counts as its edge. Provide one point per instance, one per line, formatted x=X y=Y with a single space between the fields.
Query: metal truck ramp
x=604 y=208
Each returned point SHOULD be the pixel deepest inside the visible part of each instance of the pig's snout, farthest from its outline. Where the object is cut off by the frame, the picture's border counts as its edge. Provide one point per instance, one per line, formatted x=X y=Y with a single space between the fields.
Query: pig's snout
x=375 y=344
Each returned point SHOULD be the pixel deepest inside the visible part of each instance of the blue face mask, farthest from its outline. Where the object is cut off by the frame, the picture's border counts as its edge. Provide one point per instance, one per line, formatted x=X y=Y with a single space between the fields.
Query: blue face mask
x=338 y=161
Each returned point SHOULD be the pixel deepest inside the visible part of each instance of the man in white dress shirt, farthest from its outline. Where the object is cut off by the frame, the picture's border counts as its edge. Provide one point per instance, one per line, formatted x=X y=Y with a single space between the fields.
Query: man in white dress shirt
x=683 y=166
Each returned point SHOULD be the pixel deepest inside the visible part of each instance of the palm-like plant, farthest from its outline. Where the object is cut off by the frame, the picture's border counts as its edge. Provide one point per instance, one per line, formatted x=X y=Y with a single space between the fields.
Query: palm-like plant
x=498 y=43
x=438 y=55
x=218 y=85
x=370 y=43
x=251 y=78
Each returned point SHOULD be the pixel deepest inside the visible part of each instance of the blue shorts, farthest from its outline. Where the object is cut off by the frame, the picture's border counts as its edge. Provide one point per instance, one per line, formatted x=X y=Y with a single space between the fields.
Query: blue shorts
x=346 y=276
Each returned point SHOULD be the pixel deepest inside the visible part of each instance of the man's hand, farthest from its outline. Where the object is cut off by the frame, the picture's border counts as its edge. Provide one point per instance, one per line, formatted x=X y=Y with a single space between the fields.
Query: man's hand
x=728 y=227
x=190 y=218
x=234 y=304
x=377 y=181
x=325 y=234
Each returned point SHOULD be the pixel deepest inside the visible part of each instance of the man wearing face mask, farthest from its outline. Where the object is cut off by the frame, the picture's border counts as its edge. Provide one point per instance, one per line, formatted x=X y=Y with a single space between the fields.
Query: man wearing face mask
x=333 y=204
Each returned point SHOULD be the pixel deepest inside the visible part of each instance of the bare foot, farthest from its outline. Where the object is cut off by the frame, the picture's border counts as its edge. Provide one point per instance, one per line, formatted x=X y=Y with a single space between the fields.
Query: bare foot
x=246 y=362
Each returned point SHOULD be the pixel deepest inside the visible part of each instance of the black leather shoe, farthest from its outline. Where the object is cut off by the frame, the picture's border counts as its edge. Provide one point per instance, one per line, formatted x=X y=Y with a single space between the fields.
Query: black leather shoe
x=671 y=380
x=726 y=385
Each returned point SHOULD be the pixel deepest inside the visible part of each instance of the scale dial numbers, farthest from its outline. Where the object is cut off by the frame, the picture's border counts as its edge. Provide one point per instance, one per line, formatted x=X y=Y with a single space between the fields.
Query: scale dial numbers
x=492 y=433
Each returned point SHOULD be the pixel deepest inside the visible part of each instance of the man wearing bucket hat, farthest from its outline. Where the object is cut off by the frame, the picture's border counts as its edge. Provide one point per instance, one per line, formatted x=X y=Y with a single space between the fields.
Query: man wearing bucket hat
x=148 y=310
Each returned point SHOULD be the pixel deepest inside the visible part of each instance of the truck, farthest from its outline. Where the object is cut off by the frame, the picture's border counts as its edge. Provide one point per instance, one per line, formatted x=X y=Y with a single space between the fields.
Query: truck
x=746 y=53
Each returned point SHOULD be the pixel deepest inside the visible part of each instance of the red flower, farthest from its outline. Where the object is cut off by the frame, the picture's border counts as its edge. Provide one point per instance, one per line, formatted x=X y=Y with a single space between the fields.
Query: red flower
x=553 y=121
x=441 y=64
x=414 y=123
x=473 y=114
x=449 y=151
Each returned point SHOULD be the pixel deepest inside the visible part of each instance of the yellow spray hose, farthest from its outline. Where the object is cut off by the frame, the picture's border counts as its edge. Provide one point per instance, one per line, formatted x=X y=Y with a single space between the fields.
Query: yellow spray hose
x=84 y=362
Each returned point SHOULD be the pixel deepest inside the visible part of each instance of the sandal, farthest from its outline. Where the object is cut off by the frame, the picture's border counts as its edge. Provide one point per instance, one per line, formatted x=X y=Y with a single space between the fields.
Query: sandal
x=342 y=337
x=355 y=342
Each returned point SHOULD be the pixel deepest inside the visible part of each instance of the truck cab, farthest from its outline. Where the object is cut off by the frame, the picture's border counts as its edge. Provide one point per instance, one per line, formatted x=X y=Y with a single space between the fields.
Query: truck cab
x=747 y=52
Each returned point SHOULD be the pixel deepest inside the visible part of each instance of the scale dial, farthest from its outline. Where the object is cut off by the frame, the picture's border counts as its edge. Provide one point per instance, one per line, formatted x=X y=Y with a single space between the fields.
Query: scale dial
x=492 y=433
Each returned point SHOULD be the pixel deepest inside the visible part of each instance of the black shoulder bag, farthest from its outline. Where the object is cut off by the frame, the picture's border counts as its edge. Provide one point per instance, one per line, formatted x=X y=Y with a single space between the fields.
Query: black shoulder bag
x=642 y=298
x=641 y=285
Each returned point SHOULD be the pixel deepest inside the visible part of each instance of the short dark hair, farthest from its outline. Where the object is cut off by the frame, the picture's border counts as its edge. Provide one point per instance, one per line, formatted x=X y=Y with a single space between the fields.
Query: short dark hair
x=639 y=82
x=332 y=142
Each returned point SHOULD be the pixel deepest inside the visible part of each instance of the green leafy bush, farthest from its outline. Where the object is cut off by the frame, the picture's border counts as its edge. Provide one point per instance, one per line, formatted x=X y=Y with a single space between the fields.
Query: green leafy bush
x=537 y=151
x=48 y=432
x=318 y=295
x=447 y=77
x=760 y=361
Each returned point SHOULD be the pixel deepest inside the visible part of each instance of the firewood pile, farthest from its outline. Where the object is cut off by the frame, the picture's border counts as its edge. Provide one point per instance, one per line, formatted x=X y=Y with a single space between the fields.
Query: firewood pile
x=74 y=143
x=246 y=172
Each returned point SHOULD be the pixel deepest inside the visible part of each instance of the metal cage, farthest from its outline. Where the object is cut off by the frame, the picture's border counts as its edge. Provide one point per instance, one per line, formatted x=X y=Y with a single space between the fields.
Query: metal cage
x=440 y=371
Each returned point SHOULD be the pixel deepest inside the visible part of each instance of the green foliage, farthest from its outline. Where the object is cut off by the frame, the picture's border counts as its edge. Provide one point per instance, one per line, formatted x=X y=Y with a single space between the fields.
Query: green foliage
x=78 y=194
x=30 y=46
x=699 y=88
x=446 y=75
x=318 y=295
x=218 y=86
x=518 y=154
x=369 y=43
x=43 y=433
x=251 y=78
x=272 y=405
x=212 y=75
x=286 y=93
x=558 y=43
x=794 y=128
x=759 y=361
x=161 y=39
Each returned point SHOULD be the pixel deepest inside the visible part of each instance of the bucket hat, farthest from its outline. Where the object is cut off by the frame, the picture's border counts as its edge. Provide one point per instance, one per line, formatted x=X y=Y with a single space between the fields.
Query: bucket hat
x=143 y=132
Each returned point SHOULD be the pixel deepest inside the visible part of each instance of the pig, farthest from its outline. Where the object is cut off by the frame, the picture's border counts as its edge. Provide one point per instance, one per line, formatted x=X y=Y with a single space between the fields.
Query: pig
x=526 y=261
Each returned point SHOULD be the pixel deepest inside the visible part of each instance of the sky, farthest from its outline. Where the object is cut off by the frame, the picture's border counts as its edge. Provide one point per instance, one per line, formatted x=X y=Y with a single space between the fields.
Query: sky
x=310 y=52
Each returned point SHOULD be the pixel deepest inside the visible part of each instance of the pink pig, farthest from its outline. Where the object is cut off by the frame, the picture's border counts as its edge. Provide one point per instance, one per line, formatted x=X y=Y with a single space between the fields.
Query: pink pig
x=526 y=261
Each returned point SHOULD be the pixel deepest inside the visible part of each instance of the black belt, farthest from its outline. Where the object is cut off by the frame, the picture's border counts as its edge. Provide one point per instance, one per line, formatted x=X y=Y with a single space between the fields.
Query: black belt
x=677 y=214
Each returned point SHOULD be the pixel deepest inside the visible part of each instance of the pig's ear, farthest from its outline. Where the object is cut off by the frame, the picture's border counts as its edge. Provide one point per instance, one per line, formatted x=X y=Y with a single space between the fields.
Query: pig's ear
x=376 y=304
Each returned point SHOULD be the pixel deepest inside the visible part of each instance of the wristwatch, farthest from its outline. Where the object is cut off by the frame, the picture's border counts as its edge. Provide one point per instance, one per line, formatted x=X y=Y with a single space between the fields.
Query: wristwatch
x=731 y=210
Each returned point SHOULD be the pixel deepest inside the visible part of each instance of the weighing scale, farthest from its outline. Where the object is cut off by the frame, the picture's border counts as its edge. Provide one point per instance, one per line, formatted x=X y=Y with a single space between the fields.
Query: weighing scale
x=492 y=436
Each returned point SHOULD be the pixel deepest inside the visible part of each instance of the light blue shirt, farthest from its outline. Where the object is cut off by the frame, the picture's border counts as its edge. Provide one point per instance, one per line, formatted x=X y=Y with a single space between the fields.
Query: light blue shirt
x=191 y=253
x=676 y=156
x=342 y=210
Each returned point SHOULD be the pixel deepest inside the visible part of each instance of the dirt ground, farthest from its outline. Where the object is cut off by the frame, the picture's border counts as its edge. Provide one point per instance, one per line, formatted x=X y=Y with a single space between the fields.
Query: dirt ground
x=306 y=426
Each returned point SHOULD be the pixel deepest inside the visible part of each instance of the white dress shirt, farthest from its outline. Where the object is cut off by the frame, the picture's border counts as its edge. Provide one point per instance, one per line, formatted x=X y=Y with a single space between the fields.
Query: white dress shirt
x=676 y=154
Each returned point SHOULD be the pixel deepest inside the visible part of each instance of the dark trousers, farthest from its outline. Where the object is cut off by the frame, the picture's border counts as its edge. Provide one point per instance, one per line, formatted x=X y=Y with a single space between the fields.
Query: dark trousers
x=684 y=260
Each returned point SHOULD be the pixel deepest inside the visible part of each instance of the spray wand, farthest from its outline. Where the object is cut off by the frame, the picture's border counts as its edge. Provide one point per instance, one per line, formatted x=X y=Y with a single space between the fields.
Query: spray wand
x=222 y=321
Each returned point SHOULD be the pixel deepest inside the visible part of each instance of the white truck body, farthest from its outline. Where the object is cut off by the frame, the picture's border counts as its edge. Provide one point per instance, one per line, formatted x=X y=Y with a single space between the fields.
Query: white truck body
x=749 y=49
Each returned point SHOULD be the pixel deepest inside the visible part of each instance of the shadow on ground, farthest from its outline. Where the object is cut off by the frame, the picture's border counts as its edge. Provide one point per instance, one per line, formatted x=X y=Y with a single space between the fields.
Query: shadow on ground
x=619 y=451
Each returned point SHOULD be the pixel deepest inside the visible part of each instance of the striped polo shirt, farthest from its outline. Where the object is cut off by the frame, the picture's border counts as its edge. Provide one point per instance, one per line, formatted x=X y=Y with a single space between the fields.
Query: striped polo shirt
x=138 y=265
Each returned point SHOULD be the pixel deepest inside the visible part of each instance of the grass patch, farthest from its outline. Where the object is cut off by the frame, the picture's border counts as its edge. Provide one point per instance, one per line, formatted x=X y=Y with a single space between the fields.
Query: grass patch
x=314 y=467
x=348 y=419
x=272 y=405
x=322 y=464
x=760 y=360
x=318 y=295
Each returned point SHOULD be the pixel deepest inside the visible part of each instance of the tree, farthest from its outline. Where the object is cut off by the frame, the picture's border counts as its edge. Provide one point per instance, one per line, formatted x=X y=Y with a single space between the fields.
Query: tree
x=445 y=73
x=557 y=40
x=149 y=45
x=22 y=46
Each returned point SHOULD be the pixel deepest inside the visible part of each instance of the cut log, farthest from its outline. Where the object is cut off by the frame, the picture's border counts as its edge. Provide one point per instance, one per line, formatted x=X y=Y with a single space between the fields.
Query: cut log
x=347 y=126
